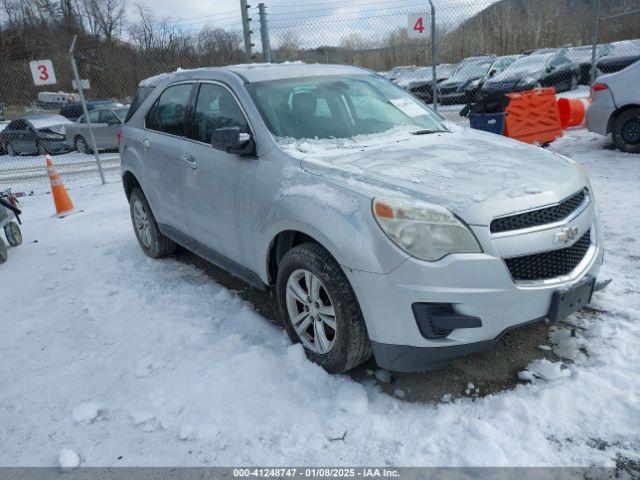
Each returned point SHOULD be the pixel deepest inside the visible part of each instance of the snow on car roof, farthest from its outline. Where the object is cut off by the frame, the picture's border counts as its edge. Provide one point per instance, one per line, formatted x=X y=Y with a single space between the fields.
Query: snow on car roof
x=45 y=121
x=258 y=72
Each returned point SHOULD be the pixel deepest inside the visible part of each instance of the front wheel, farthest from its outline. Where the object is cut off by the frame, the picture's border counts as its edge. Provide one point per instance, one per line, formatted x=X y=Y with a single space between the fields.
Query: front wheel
x=573 y=83
x=13 y=234
x=320 y=310
x=3 y=252
x=11 y=151
x=625 y=131
x=81 y=145
x=150 y=238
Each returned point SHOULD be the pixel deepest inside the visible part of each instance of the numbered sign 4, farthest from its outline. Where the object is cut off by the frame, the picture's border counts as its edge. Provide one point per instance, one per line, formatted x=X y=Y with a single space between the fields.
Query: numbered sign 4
x=418 y=25
x=42 y=72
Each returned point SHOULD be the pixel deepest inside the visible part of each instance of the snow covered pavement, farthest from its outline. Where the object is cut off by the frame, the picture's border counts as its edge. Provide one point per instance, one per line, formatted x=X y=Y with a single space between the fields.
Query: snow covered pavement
x=124 y=360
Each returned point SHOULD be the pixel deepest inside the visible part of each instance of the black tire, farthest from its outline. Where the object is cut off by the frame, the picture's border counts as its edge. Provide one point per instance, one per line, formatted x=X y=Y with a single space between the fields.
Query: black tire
x=3 y=252
x=11 y=151
x=158 y=245
x=13 y=234
x=351 y=344
x=574 y=82
x=82 y=145
x=625 y=131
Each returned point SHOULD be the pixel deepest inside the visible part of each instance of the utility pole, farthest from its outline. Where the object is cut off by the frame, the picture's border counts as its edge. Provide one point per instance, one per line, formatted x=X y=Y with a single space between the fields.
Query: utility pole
x=246 y=30
x=594 y=50
x=76 y=76
x=434 y=84
x=264 y=34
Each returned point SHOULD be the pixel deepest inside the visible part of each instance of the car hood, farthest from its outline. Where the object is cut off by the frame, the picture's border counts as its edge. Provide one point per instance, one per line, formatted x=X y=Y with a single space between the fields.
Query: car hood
x=476 y=175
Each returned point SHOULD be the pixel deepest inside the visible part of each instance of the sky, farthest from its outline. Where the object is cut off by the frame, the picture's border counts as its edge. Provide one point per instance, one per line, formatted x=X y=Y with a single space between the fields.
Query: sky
x=317 y=21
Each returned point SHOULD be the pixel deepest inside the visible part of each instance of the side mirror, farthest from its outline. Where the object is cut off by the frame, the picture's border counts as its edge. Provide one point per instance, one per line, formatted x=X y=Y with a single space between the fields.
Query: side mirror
x=231 y=140
x=492 y=72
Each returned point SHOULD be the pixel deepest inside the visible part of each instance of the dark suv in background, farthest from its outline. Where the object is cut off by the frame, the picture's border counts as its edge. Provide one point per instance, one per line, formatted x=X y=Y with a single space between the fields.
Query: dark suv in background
x=73 y=111
x=544 y=68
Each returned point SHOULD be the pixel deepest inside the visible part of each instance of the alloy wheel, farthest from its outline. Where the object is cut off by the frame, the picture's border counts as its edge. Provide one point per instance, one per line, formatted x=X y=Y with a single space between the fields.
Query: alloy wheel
x=141 y=223
x=311 y=311
x=81 y=145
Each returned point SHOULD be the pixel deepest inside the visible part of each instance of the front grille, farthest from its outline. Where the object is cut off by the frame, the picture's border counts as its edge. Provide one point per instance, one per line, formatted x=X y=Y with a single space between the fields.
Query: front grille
x=542 y=216
x=542 y=266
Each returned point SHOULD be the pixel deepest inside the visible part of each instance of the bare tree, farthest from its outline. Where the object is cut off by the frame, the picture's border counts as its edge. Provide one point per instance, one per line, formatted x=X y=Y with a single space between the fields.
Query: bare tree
x=105 y=17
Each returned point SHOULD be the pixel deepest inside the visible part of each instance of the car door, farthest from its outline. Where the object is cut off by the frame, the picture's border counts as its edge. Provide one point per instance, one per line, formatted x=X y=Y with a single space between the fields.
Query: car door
x=96 y=125
x=216 y=183
x=109 y=125
x=161 y=147
x=9 y=135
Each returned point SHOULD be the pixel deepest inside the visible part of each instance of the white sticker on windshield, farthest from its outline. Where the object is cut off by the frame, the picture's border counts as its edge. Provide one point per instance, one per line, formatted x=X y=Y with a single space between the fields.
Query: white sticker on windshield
x=407 y=106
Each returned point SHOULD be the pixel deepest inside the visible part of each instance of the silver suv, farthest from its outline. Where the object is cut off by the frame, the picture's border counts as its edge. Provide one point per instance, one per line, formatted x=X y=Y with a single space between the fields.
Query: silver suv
x=384 y=229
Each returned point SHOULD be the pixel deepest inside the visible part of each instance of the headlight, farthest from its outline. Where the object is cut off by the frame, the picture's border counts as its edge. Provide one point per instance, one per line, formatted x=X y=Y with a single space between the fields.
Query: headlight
x=50 y=136
x=528 y=81
x=474 y=84
x=425 y=231
x=587 y=182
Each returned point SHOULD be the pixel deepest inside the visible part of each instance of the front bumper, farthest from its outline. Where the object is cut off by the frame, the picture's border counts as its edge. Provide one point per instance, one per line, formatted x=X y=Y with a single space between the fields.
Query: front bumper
x=55 y=146
x=476 y=285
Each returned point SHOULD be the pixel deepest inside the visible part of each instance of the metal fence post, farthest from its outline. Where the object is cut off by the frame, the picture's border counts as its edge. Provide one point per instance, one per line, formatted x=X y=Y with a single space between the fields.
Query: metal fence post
x=434 y=85
x=264 y=34
x=246 y=30
x=594 y=50
x=74 y=67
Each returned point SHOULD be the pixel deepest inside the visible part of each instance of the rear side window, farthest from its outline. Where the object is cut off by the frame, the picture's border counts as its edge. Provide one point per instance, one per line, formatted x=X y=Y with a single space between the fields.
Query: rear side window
x=169 y=113
x=216 y=108
x=141 y=95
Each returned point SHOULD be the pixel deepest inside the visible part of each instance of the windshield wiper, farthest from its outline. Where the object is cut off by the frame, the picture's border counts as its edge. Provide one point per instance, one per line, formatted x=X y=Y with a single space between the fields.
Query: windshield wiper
x=427 y=132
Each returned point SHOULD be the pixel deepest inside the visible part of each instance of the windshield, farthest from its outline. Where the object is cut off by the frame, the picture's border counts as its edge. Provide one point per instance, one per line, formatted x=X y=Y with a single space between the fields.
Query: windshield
x=582 y=54
x=339 y=107
x=469 y=70
x=528 y=64
x=626 y=48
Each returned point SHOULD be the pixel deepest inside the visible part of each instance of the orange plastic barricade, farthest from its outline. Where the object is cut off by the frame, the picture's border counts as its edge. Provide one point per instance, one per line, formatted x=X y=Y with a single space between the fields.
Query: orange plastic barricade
x=533 y=116
x=572 y=111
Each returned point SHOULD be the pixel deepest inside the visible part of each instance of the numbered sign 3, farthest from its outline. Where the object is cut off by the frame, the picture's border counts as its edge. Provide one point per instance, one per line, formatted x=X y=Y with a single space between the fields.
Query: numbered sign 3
x=42 y=72
x=418 y=25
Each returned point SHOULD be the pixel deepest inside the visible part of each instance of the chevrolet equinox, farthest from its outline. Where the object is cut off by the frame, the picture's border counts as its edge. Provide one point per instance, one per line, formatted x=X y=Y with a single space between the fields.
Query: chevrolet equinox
x=384 y=229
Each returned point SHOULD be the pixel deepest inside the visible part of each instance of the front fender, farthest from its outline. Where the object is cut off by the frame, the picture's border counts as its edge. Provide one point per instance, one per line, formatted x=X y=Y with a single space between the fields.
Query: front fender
x=336 y=217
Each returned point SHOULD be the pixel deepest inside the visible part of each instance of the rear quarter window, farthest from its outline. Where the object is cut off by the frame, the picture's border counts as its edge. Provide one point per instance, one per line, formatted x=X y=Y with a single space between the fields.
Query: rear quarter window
x=141 y=95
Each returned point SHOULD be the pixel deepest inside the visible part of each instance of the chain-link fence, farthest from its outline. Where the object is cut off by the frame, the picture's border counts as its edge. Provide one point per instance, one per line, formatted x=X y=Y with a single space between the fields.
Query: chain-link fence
x=482 y=48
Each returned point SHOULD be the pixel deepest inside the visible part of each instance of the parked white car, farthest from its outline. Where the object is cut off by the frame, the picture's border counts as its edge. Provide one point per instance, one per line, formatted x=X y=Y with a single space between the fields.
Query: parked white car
x=615 y=108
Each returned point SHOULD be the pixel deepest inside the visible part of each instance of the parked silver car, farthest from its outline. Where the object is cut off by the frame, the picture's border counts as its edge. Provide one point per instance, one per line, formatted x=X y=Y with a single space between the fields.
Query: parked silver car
x=615 y=108
x=383 y=228
x=105 y=122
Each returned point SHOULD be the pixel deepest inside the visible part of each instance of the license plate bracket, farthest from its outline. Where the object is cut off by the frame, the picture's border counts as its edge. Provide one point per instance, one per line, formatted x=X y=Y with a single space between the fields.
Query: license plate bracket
x=569 y=300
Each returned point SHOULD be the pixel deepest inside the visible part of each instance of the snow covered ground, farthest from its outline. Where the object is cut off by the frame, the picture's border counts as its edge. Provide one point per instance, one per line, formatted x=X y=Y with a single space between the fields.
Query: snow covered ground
x=111 y=358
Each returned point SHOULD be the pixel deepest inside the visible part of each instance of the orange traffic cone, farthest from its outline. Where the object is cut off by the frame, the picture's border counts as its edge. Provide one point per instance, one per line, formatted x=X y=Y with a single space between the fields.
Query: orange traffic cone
x=64 y=205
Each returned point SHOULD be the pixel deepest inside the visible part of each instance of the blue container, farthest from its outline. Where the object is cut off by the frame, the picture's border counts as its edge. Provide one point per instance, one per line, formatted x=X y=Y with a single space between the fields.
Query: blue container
x=489 y=122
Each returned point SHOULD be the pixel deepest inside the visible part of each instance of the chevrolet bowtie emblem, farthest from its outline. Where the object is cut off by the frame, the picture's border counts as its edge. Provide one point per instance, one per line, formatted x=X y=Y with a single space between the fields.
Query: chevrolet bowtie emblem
x=566 y=235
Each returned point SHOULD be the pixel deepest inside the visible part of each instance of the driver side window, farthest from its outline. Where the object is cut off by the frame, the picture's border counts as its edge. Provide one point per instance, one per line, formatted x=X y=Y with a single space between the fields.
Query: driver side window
x=216 y=108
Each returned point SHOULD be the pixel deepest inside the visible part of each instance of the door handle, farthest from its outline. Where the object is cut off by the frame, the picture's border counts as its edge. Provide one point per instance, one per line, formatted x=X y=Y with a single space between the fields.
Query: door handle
x=189 y=160
x=145 y=143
